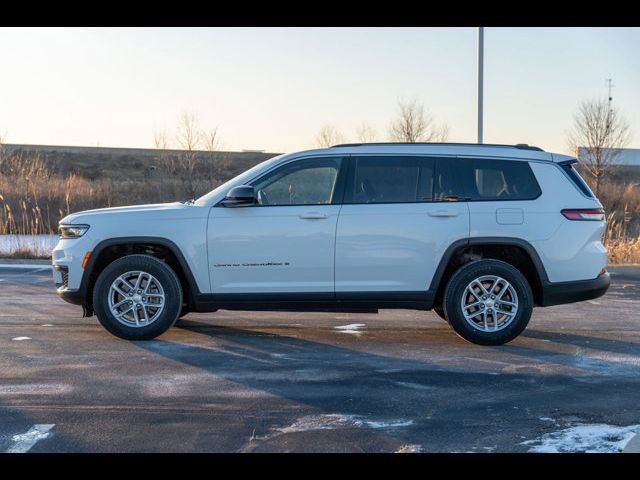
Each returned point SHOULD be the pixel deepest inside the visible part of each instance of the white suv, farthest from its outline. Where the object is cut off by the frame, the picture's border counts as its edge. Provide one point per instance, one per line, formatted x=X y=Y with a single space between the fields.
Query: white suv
x=479 y=233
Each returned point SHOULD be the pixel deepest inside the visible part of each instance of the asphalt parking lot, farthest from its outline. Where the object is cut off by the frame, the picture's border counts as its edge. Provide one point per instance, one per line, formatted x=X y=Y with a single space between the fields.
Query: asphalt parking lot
x=399 y=381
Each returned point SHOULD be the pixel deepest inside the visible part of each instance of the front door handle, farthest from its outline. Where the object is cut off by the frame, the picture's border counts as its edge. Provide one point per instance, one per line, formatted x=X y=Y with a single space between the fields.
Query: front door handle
x=443 y=213
x=313 y=216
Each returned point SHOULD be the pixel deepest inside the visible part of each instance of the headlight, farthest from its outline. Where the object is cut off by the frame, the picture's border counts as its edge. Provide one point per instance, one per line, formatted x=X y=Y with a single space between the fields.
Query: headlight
x=72 y=231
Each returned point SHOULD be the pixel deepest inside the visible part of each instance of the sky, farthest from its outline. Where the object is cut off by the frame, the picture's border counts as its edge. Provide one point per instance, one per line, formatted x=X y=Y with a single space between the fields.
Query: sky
x=274 y=88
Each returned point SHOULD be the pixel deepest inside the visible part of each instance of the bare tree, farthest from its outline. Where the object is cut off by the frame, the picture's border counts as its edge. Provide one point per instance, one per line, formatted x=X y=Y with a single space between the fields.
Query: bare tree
x=328 y=136
x=211 y=139
x=212 y=144
x=194 y=166
x=599 y=132
x=414 y=124
x=189 y=134
x=366 y=134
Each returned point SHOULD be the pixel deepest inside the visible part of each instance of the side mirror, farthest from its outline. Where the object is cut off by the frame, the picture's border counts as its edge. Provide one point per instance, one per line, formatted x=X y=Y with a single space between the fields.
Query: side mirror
x=239 y=196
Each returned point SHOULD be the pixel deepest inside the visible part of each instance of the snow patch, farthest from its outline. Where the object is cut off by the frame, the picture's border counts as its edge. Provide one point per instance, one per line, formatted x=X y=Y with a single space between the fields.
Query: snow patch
x=334 y=421
x=351 y=328
x=318 y=422
x=595 y=438
x=22 y=443
x=409 y=449
x=19 y=339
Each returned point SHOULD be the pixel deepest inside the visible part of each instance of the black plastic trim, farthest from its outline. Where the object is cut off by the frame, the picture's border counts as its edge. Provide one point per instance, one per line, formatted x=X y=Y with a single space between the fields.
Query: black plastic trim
x=557 y=293
x=519 y=146
x=481 y=241
x=314 y=301
x=76 y=297
x=95 y=254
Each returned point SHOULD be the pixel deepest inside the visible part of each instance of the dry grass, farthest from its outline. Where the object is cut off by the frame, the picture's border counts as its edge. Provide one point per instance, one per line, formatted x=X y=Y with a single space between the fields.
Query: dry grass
x=620 y=196
x=33 y=198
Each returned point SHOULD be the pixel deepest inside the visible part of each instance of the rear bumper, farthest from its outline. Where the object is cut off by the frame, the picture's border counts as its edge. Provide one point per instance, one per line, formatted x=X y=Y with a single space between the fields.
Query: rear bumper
x=557 y=293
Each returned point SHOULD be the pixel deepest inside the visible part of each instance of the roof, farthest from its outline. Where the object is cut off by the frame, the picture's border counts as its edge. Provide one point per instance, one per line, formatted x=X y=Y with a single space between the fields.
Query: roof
x=520 y=151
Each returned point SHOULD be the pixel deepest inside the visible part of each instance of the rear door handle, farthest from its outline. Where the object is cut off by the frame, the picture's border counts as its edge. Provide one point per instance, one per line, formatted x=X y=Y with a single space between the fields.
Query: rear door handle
x=443 y=213
x=313 y=216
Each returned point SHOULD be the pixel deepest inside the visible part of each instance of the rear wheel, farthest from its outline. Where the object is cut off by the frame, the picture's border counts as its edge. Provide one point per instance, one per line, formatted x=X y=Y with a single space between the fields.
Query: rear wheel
x=137 y=297
x=488 y=302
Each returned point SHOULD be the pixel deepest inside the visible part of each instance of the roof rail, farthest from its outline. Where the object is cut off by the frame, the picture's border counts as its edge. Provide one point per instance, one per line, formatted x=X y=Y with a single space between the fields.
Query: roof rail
x=519 y=146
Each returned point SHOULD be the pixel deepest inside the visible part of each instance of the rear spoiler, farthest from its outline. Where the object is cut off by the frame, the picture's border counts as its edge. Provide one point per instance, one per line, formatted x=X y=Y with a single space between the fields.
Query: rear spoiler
x=563 y=160
x=566 y=163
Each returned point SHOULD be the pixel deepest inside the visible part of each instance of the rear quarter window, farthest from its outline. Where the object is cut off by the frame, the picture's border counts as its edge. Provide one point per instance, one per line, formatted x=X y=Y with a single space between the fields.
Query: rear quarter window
x=577 y=180
x=488 y=179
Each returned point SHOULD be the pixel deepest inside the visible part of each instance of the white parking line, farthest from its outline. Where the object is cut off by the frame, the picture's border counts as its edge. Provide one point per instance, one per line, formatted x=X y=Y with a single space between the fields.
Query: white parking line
x=35 y=266
x=23 y=442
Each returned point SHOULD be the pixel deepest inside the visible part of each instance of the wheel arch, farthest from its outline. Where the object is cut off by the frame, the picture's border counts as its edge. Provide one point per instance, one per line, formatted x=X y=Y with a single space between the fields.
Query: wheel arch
x=109 y=250
x=515 y=251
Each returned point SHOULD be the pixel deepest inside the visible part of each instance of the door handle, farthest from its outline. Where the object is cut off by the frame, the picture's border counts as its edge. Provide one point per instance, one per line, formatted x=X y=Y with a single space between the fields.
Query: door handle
x=443 y=213
x=313 y=216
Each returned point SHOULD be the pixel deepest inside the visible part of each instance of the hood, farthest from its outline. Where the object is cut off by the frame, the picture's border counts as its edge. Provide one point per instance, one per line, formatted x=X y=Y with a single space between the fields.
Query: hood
x=156 y=210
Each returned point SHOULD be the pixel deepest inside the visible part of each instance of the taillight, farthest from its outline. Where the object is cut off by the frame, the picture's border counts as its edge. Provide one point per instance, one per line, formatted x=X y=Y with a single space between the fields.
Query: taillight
x=596 y=214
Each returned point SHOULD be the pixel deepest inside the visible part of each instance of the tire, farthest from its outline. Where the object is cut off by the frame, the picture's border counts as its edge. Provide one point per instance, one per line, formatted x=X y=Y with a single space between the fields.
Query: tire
x=440 y=312
x=507 y=326
x=158 y=280
x=184 y=312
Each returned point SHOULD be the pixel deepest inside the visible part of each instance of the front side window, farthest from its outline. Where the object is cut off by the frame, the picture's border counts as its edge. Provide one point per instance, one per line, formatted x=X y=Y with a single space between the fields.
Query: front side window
x=499 y=180
x=390 y=180
x=303 y=182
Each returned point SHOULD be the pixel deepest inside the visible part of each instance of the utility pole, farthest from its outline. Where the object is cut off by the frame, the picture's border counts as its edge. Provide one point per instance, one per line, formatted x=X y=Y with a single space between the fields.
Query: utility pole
x=480 y=80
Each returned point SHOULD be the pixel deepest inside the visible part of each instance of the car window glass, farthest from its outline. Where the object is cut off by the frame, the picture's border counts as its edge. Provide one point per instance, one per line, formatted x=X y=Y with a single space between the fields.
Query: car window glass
x=502 y=180
x=448 y=180
x=391 y=180
x=304 y=182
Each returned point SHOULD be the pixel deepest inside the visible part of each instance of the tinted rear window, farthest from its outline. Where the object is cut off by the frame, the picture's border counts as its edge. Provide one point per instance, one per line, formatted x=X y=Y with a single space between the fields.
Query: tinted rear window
x=390 y=180
x=486 y=179
x=577 y=180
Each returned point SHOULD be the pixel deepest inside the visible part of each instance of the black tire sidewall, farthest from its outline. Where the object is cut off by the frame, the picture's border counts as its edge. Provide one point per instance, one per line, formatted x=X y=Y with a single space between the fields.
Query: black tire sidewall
x=170 y=284
x=439 y=311
x=457 y=285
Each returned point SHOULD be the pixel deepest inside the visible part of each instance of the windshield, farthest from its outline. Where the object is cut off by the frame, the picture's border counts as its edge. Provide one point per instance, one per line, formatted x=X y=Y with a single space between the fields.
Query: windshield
x=239 y=180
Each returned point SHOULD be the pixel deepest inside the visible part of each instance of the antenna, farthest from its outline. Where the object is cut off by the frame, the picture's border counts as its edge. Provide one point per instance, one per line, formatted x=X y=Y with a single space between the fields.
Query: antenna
x=610 y=85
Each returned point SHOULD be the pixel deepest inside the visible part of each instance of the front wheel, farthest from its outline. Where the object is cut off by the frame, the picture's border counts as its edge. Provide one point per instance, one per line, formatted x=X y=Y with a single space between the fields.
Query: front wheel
x=488 y=302
x=137 y=297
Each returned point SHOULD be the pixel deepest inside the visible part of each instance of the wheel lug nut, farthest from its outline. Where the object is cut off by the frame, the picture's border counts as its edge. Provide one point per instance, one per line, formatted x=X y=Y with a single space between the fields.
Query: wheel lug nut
x=144 y=299
x=139 y=292
x=131 y=294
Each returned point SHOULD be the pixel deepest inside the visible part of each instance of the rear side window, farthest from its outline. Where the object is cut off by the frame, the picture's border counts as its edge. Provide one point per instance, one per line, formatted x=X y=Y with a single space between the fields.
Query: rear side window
x=390 y=180
x=486 y=179
x=577 y=180
x=448 y=181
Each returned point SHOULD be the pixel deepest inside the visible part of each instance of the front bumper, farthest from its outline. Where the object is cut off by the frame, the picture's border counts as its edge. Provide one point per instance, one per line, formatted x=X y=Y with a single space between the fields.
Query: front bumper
x=557 y=293
x=71 y=296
